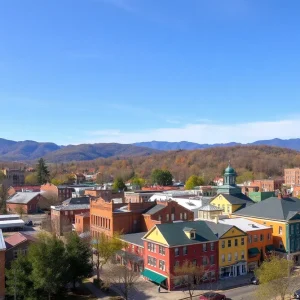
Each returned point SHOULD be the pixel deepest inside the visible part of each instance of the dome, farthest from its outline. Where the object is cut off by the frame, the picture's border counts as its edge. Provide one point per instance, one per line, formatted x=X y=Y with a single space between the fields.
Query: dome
x=230 y=170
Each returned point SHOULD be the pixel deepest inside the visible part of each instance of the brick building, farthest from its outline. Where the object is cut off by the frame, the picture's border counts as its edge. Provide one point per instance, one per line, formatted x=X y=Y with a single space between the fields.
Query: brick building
x=14 y=177
x=23 y=188
x=63 y=216
x=134 y=217
x=17 y=244
x=267 y=185
x=169 y=245
x=105 y=194
x=82 y=222
x=60 y=192
x=2 y=266
x=296 y=190
x=139 y=196
x=292 y=176
x=25 y=202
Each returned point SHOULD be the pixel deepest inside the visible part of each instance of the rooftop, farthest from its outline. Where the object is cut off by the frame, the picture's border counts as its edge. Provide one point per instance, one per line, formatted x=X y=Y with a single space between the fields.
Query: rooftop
x=155 y=209
x=243 y=224
x=22 y=197
x=210 y=207
x=9 y=217
x=134 y=238
x=77 y=200
x=218 y=228
x=2 y=242
x=16 y=239
x=71 y=207
x=11 y=223
x=239 y=199
x=273 y=208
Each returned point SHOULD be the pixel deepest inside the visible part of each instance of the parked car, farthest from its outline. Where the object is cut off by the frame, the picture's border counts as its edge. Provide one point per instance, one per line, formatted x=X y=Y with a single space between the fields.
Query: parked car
x=254 y=280
x=212 y=296
x=297 y=294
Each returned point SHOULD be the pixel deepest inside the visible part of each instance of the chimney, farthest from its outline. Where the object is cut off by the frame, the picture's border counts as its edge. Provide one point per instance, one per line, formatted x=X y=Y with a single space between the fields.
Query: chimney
x=279 y=196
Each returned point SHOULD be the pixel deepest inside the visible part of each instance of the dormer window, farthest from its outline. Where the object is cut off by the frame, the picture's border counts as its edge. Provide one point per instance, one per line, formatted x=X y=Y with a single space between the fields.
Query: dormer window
x=190 y=232
x=193 y=235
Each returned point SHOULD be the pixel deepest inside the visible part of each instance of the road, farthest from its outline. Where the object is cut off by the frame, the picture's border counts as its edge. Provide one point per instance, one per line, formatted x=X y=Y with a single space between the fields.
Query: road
x=242 y=293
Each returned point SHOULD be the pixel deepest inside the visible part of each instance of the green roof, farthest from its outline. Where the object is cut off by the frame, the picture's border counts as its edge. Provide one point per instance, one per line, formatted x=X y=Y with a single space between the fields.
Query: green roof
x=217 y=228
x=174 y=233
x=158 y=278
x=253 y=252
x=230 y=170
x=239 y=199
x=272 y=208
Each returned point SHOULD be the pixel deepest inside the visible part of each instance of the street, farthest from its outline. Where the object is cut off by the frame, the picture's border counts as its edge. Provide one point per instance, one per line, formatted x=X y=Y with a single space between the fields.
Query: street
x=242 y=293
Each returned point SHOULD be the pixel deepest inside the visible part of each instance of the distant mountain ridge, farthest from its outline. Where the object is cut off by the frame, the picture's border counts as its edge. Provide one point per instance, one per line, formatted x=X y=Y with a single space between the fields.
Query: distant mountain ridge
x=293 y=144
x=31 y=150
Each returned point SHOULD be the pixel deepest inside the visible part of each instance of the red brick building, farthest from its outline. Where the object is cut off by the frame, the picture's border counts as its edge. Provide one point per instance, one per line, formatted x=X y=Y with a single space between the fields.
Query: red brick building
x=267 y=185
x=169 y=245
x=60 y=192
x=63 y=216
x=134 y=217
x=292 y=176
x=106 y=195
x=82 y=222
x=23 y=188
x=139 y=196
x=25 y=202
x=2 y=266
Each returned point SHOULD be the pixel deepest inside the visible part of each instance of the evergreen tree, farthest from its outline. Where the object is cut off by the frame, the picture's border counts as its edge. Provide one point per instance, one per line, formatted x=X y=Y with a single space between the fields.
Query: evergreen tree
x=79 y=257
x=49 y=264
x=43 y=174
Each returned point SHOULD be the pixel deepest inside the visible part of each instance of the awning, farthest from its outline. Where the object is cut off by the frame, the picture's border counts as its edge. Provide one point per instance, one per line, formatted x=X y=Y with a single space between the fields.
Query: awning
x=270 y=248
x=253 y=252
x=154 y=276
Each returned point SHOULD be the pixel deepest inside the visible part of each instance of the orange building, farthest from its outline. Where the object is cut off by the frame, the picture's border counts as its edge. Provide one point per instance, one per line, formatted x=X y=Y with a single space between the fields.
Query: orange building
x=260 y=239
x=267 y=185
x=2 y=266
x=82 y=222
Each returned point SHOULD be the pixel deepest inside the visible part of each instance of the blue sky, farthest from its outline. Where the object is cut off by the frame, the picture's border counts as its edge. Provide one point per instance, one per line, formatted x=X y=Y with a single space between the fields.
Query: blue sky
x=79 y=71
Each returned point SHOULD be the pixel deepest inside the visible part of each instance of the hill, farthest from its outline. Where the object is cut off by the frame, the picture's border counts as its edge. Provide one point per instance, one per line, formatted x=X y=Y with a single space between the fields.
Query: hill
x=183 y=145
x=249 y=161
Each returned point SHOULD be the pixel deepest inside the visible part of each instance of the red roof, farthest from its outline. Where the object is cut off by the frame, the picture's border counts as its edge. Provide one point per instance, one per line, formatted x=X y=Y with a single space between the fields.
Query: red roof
x=18 y=238
x=34 y=188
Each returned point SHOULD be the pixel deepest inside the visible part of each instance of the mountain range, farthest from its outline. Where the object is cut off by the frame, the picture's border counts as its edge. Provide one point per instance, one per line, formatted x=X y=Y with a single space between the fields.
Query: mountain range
x=31 y=150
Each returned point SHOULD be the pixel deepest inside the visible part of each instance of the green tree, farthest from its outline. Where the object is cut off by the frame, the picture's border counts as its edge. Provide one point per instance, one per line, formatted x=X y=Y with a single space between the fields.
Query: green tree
x=275 y=278
x=119 y=184
x=3 y=198
x=31 y=179
x=246 y=176
x=138 y=181
x=105 y=247
x=161 y=177
x=79 y=257
x=18 y=279
x=193 y=181
x=43 y=174
x=49 y=264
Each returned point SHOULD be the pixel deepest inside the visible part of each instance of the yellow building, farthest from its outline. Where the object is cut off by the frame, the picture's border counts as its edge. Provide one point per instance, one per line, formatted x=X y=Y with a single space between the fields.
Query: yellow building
x=230 y=197
x=232 y=249
x=283 y=215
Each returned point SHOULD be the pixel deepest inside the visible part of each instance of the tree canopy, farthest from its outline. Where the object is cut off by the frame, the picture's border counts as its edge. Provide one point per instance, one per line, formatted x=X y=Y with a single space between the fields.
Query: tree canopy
x=162 y=177
x=193 y=181
x=43 y=174
x=119 y=184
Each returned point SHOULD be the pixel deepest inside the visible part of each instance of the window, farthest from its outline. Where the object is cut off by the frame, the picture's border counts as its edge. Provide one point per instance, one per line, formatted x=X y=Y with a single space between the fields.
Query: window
x=223 y=257
x=176 y=251
x=292 y=229
x=223 y=244
x=212 y=259
x=152 y=261
x=172 y=217
x=185 y=216
x=162 y=250
x=236 y=256
x=159 y=218
x=261 y=237
x=151 y=247
x=229 y=243
x=249 y=238
x=242 y=255
x=193 y=234
x=281 y=245
x=228 y=208
x=223 y=207
x=204 y=247
x=242 y=241
x=167 y=217
x=204 y=261
x=185 y=250
x=180 y=216
x=236 y=242
x=298 y=228
x=212 y=246
x=255 y=238
x=229 y=256
x=162 y=265
x=269 y=236
x=280 y=230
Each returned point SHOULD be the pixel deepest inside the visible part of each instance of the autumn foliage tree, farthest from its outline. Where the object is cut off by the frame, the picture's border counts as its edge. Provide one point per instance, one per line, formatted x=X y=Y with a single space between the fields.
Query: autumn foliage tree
x=193 y=181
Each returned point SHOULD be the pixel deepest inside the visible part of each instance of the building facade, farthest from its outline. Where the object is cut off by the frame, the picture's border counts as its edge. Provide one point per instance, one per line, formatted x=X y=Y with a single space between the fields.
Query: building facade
x=164 y=251
x=14 y=177
x=82 y=222
x=292 y=176
x=268 y=185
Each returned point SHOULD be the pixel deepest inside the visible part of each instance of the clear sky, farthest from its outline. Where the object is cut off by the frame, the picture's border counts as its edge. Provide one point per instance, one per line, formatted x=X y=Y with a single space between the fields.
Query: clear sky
x=207 y=71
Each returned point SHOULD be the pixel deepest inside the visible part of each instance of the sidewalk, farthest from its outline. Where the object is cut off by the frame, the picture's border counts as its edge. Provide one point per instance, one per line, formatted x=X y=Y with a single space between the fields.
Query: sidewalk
x=93 y=289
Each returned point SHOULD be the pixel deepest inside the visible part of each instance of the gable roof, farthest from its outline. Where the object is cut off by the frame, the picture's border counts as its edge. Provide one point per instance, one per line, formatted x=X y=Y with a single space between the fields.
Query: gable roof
x=134 y=238
x=22 y=197
x=155 y=209
x=218 y=229
x=77 y=200
x=244 y=224
x=238 y=199
x=272 y=208
x=175 y=236
x=17 y=238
